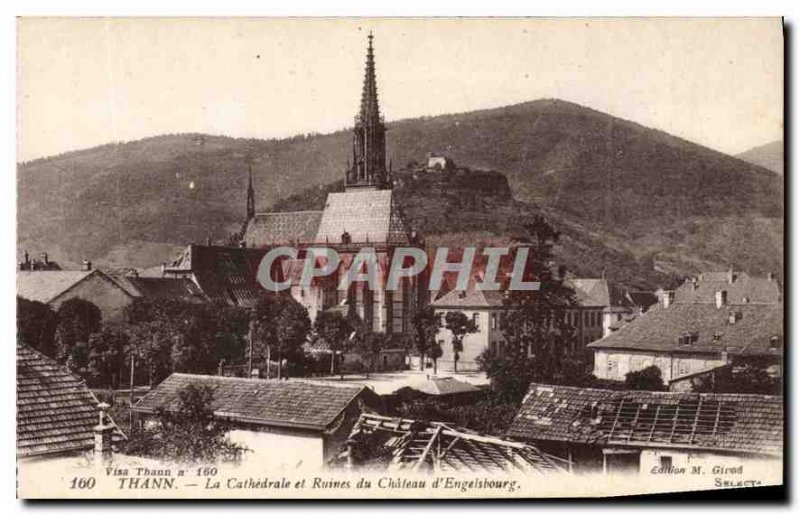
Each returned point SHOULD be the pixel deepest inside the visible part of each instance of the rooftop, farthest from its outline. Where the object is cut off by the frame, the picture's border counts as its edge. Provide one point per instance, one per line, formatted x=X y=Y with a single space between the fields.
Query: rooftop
x=56 y=412
x=740 y=288
x=268 y=402
x=267 y=229
x=661 y=329
x=367 y=215
x=642 y=419
x=45 y=285
x=397 y=444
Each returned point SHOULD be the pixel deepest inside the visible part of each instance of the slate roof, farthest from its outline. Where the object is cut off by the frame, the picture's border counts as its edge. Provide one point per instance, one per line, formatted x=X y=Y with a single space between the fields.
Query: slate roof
x=444 y=386
x=165 y=288
x=56 y=412
x=590 y=292
x=470 y=298
x=757 y=290
x=267 y=229
x=367 y=215
x=396 y=444
x=702 y=421
x=660 y=329
x=46 y=285
x=223 y=274
x=268 y=402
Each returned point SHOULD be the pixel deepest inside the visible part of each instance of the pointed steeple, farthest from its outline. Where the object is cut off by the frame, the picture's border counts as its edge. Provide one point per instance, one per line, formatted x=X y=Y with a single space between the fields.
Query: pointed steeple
x=370 y=112
x=251 y=193
x=368 y=168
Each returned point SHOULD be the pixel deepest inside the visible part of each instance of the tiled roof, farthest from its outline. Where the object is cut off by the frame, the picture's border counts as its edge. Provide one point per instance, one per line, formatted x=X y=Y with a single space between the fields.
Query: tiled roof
x=470 y=298
x=642 y=419
x=756 y=290
x=401 y=444
x=56 y=412
x=267 y=229
x=46 y=285
x=444 y=386
x=590 y=292
x=165 y=288
x=367 y=215
x=269 y=402
x=224 y=274
x=660 y=329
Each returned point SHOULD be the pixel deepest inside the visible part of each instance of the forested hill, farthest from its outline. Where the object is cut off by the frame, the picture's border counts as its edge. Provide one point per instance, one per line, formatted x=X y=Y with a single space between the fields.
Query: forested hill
x=671 y=205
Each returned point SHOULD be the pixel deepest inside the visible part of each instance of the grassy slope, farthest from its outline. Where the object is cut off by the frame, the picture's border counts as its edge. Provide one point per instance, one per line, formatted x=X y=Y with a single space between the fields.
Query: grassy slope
x=612 y=186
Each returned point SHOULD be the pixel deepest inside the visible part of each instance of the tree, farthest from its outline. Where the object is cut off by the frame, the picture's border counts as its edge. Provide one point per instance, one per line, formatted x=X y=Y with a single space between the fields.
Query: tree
x=106 y=357
x=425 y=322
x=535 y=331
x=281 y=326
x=36 y=325
x=334 y=330
x=77 y=319
x=646 y=379
x=460 y=325
x=369 y=344
x=190 y=434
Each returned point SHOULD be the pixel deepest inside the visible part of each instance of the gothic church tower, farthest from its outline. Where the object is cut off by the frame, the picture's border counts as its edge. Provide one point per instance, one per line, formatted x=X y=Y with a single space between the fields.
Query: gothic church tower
x=368 y=166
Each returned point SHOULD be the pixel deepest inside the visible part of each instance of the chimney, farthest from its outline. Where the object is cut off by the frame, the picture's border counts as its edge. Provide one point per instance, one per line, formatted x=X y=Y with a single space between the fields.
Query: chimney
x=721 y=298
x=770 y=276
x=695 y=284
x=44 y=258
x=87 y=265
x=103 y=432
x=731 y=276
x=667 y=297
x=163 y=269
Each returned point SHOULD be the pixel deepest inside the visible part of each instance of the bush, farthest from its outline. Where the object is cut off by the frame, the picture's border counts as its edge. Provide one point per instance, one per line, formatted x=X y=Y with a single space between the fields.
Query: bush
x=645 y=379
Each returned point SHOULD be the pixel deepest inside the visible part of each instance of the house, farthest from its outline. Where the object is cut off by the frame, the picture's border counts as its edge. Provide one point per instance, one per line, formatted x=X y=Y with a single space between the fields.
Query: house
x=625 y=308
x=439 y=162
x=227 y=275
x=448 y=390
x=53 y=287
x=391 y=358
x=57 y=415
x=285 y=423
x=485 y=308
x=642 y=431
x=710 y=321
x=388 y=444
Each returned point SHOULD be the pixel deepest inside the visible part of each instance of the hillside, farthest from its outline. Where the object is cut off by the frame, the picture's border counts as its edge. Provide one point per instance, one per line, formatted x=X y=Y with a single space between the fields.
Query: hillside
x=770 y=156
x=614 y=186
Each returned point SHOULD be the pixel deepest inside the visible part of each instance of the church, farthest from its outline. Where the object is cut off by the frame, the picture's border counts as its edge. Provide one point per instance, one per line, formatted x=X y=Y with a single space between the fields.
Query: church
x=364 y=215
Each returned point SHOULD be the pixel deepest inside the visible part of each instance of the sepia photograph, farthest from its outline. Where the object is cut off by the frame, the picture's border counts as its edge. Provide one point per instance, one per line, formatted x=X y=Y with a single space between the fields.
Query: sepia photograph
x=399 y=258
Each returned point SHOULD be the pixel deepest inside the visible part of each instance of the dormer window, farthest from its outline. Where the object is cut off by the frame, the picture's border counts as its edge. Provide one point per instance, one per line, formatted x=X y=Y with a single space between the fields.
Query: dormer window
x=774 y=342
x=688 y=338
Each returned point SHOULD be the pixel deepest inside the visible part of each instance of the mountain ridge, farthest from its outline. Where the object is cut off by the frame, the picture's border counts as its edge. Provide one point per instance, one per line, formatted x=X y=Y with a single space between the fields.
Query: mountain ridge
x=613 y=182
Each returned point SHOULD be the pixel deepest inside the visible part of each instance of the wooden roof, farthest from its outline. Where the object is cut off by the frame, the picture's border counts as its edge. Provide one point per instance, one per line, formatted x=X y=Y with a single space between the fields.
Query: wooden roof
x=56 y=412
x=406 y=445
x=642 y=419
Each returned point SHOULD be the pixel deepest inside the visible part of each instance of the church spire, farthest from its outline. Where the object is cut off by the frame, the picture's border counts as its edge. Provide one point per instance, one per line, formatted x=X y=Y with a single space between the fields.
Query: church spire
x=368 y=168
x=251 y=193
x=369 y=92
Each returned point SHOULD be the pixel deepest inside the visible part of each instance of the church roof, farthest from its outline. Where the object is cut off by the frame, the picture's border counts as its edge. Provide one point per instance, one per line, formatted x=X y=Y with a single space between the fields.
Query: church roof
x=267 y=229
x=367 y=215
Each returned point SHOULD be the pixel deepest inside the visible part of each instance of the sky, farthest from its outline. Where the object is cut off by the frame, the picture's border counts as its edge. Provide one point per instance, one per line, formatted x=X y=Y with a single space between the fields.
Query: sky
x=88 y=81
